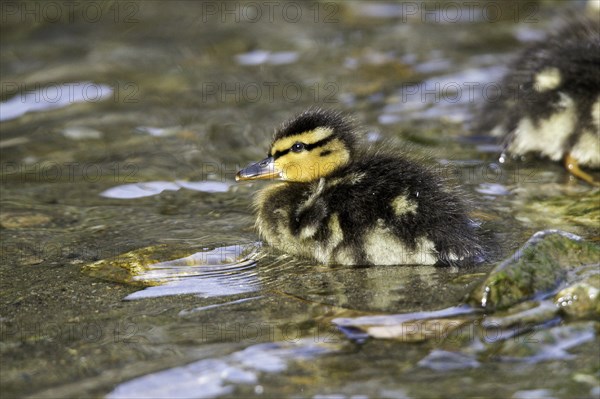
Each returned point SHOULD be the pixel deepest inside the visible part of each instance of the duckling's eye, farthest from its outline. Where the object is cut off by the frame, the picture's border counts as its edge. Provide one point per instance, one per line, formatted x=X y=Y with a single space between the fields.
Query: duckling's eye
x=298 y=147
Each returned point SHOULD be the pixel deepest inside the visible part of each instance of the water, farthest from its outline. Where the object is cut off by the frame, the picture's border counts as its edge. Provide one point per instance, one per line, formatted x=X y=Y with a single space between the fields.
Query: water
x=125 y=132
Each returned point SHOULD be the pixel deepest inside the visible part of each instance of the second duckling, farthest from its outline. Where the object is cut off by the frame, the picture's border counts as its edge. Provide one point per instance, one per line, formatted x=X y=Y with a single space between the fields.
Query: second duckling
x=343 y=203
x=550 y=100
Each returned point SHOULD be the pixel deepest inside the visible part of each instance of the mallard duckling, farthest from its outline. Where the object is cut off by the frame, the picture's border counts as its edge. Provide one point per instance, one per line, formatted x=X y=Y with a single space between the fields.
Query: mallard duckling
x=550 y=100
x=341 y=202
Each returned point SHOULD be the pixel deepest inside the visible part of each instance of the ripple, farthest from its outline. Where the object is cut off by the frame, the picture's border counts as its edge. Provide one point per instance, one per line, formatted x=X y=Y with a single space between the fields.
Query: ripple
x=219 y=272
x=446 y=97
x=151 y=188
x=387 y=320
x=53 y=97
x=259 y=57
x=381 y=10
x=492 y=189
x=159 y=131
x=441 y=360
x=210 y=378
x=186 y=312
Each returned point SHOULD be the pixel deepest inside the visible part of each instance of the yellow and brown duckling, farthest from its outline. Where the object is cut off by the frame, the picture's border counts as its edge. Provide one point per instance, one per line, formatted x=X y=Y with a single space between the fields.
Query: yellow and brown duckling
x=342 y=202
x=550 y=100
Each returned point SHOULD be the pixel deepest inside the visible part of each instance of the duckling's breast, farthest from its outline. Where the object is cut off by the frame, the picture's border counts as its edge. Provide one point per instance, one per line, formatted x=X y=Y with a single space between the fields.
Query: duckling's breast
x=344 y=220
x=553 y=135
x=293 y=218
x=548 y=136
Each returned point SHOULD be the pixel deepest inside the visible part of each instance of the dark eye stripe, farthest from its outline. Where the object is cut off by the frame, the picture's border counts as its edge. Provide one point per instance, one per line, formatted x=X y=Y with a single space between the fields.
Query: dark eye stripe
x=307 y=147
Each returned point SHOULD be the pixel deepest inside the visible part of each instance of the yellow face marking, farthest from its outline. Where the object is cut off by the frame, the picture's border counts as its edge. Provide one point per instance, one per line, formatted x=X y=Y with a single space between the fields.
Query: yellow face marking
x=309 y=165
x=309 y=137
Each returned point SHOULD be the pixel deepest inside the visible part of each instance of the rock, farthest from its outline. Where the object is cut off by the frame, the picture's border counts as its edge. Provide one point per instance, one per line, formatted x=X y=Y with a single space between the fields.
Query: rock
x=158 y=264
x=408 y=327
x=579 y=208
x=581 y=300
x=417 y=330
x=537 y=268
x=127 y=267
x=11 y=220
x=546 y=310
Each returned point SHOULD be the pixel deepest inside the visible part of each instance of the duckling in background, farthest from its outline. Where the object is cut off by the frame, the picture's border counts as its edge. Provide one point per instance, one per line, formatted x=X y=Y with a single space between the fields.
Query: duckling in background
x=550 y=101
x=342 y=202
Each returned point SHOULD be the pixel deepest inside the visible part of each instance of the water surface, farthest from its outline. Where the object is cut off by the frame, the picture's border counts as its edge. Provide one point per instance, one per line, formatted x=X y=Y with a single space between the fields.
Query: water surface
x=125 y=132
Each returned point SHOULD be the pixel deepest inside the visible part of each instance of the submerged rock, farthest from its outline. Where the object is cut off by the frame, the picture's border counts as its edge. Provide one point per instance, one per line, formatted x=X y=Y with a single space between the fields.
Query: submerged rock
x=13 y=220
x=176 y=264
x=568 y=208
x=537 y=269
x=416 y=330
x=521 y=292
x=127 y=267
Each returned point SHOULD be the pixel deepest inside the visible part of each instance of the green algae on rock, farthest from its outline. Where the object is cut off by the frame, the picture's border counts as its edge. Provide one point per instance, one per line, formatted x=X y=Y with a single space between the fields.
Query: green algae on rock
x=159 y=264
x=126 y=267
x=565 y=209
x=538 y=268
x=520 y=291
x=13 y=220
x=581 y=300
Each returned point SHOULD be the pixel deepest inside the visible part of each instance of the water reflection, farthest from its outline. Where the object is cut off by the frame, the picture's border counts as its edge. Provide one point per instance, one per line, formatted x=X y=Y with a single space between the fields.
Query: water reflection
x=52 y=97
x=209 y=378
x=219 y=272
x=148 y=189
x=258 y=57
x=446 y=97
x=367 y=58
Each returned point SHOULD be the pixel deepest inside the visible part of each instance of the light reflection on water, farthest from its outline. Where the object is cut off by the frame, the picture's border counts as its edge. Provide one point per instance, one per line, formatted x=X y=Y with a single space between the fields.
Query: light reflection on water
x=209 y=378
x=399 y=318
x=52 y=97
x=169 y=57
x=444 y=97
x=148 y=189
x=220 y=272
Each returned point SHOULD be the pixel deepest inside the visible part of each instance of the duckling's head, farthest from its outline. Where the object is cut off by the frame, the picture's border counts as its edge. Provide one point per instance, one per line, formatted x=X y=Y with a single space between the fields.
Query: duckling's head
x=312 y=145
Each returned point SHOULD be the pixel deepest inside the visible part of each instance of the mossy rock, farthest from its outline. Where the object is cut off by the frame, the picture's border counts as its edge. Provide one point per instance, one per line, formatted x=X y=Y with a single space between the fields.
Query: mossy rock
x=581 y=300
x=128 y=267
x=538 y=268
x=158 y=264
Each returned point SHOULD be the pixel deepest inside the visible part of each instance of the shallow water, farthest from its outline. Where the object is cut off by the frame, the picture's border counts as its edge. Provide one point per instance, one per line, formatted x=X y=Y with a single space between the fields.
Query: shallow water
x=123 y=130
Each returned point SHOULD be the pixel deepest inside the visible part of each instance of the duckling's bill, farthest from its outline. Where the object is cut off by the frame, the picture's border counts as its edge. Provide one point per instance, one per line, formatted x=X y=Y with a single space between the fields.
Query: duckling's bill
x=263 y=170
